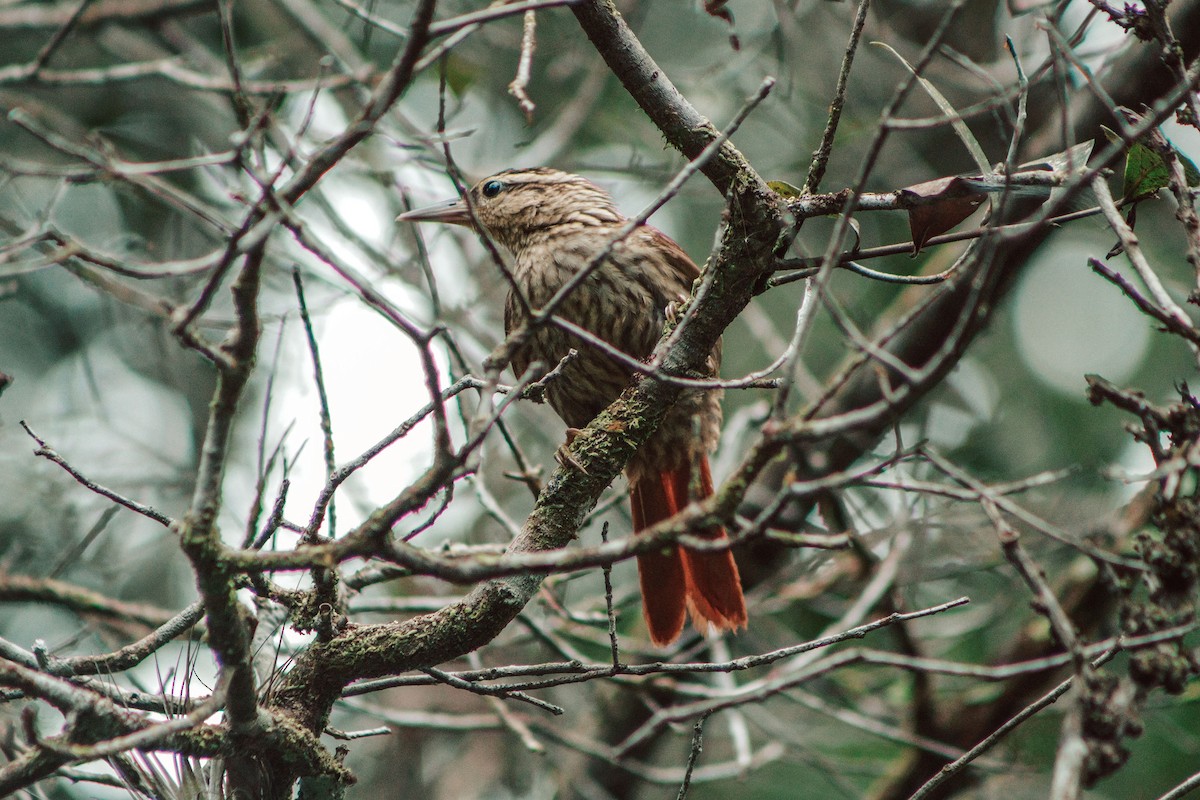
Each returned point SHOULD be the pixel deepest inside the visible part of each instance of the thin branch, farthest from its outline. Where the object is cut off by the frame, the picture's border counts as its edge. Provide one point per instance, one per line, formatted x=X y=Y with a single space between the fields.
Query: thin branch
x=519 y=85
x=48 y=453
x=816 y=170
x=995 y=736
x=693 y=756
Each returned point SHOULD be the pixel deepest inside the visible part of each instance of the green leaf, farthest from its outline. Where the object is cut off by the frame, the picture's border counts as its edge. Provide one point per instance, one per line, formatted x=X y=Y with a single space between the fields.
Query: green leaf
x=785 y=189
x=461 y=75
x=1190 y=173
x=1146 y=172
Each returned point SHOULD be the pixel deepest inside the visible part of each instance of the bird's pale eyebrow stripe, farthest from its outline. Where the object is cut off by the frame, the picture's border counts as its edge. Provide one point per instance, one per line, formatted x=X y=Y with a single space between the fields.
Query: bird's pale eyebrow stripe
x=528 y=178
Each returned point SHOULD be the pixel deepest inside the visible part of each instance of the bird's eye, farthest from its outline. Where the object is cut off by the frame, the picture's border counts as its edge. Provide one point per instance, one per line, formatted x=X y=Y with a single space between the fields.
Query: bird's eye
x=492 y=188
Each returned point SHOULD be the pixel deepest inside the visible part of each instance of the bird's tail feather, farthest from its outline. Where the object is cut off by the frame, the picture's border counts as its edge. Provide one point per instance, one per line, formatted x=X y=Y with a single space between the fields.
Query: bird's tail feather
x=705 y=583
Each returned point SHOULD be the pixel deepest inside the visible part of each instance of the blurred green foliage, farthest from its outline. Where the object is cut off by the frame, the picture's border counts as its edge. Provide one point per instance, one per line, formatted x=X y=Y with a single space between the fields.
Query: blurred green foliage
x=105 y=383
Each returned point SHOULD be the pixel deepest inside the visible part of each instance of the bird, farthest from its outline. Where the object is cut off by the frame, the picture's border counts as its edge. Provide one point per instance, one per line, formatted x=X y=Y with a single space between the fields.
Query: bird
x=553 y=223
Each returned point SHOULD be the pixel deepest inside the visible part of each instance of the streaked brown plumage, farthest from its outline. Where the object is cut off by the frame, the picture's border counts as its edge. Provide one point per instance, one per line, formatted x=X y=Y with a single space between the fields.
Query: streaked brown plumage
x=553 y=223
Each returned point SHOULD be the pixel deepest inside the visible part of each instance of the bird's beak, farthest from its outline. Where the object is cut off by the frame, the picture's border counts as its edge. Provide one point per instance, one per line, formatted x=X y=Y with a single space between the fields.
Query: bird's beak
x=451 y=211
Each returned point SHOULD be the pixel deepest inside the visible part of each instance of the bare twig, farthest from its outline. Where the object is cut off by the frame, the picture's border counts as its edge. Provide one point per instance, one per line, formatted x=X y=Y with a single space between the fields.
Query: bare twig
x=816 y=170
x=519 y=85
x=46 y=452
x=693 y=755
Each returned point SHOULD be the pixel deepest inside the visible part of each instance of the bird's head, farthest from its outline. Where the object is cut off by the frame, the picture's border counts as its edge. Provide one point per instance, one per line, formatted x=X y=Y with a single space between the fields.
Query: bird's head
x=517 y=206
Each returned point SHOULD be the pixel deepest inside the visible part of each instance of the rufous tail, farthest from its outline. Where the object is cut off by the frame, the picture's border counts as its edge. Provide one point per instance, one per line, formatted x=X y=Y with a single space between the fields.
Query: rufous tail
x=705 y=583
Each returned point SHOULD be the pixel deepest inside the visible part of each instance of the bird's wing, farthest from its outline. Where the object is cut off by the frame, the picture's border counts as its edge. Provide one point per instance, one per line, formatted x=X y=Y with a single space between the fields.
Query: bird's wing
x=679 y=276
x=513 y=317
x=681 y=269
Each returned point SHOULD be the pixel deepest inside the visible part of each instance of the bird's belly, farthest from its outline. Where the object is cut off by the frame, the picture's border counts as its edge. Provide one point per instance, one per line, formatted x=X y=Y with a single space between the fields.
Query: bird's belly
x=587 y=384
x=616 y=305
x=592 y=380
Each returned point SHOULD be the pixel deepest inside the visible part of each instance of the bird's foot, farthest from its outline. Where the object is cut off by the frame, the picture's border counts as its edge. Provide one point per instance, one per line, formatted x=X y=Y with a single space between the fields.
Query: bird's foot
x=672 y=311
x=563 y=454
